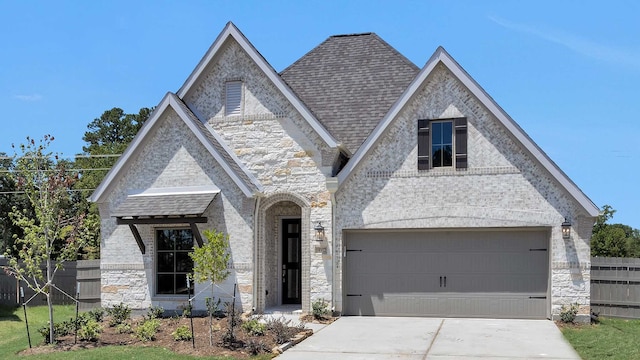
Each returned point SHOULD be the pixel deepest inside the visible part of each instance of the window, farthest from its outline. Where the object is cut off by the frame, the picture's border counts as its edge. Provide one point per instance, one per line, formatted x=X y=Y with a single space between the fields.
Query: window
x=173 y=262
x=233 y=98
x=442 y=143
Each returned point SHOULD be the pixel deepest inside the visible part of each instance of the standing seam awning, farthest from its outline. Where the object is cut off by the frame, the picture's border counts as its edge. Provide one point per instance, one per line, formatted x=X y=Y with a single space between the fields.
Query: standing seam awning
x=166 y=206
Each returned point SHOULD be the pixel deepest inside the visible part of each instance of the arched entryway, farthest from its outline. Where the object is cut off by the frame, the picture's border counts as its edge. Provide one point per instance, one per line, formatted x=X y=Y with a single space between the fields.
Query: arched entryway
x=283 y=252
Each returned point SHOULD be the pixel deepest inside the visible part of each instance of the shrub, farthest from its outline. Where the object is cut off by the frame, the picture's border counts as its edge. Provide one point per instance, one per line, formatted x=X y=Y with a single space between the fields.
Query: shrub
x=124 y=328
x=254 y=327
x=147 y=330
x=182 y=333
x=214 y=307
x=568 y=313
x=256 y=347
x=44 y=331
x=119 y=314
x=89 y=331
x=320 y=309
x=155 y=312
x=282 y=329
x=96 y=314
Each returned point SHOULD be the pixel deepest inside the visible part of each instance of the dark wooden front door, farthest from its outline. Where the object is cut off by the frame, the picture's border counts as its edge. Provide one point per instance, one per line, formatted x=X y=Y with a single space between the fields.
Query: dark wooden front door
x=291 y=255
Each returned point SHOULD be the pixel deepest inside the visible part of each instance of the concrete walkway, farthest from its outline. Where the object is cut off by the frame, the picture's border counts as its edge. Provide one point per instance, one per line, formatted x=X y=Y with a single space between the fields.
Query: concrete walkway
x=431 y=338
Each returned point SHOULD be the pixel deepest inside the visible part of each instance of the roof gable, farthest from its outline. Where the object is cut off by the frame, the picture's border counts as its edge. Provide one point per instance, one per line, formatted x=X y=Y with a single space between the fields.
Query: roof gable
x=231 y=31
x=441 y=56
x=207 y=137
x=349 y=82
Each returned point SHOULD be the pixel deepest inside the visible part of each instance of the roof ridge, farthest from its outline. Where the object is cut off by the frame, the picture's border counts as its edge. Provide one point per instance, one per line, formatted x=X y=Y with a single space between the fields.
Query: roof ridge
x=409 y=62
x=354 y=34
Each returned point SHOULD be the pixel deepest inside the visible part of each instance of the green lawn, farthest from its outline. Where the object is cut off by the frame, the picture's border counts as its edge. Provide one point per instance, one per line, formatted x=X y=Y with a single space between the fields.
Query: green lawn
x=13 y=338
x=610 y=339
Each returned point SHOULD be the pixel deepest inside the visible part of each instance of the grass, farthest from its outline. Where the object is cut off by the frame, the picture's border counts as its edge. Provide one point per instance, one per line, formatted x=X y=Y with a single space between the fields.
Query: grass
x=610 y=339
x=13 y=338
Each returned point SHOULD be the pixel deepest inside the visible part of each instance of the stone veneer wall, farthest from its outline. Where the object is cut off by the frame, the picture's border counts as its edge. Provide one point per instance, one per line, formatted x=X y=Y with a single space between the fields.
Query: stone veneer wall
x=502 y=187
x=281 y=150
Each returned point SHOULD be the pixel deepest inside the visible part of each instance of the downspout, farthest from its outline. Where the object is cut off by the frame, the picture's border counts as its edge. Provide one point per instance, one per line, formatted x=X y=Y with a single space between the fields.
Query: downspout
x=332 y=187
x=255 y=254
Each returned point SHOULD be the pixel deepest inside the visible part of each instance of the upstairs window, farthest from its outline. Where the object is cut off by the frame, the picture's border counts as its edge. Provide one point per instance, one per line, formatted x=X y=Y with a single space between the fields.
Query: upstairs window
x=233 y=98
x=173 y=262
x=442 y=143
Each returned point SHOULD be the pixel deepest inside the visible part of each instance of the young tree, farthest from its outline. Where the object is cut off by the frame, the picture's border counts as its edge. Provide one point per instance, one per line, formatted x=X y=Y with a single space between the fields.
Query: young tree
x=9 y=197
x=50 y=232
x=210 y=263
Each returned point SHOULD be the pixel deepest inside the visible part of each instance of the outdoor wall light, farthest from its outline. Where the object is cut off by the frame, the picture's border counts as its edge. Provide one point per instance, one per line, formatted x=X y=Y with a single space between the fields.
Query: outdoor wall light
x=566 y=229
x=319 y=231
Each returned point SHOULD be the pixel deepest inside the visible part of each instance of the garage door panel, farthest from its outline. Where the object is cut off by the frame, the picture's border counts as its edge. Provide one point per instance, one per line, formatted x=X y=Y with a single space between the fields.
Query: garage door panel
x=448 y=273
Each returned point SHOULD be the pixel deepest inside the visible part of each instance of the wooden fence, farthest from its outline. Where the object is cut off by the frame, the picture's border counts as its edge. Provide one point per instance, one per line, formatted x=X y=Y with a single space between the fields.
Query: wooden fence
x=615 y=287
x=85 y=272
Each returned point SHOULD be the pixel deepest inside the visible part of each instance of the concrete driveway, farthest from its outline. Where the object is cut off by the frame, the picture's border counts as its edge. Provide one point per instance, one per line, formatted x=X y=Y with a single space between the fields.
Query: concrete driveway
x=431 y=338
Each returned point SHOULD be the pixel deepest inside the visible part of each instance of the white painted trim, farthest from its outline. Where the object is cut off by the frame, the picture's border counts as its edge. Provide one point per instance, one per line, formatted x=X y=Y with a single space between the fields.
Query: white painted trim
x=230 y=30
x=182 y=190
x=441 y=56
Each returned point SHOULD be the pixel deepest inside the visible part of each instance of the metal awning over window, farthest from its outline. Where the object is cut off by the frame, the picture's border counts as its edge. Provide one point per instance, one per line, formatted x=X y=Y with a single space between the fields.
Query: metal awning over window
x=179 y=205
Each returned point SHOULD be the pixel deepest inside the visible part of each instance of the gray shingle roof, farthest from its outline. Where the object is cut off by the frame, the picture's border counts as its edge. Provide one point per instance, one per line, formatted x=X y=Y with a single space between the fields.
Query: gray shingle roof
x=349 y=82
x=186 y=203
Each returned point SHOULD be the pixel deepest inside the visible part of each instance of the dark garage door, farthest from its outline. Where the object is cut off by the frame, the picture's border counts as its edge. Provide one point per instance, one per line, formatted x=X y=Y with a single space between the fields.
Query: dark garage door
x=501 y=274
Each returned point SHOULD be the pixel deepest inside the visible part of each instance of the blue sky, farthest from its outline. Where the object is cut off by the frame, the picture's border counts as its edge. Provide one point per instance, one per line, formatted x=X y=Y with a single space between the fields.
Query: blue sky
x=566 y=71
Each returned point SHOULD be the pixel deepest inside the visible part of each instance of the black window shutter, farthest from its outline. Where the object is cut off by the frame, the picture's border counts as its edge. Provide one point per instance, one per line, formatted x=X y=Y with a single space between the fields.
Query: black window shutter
x=423 y=144
x=461 y=142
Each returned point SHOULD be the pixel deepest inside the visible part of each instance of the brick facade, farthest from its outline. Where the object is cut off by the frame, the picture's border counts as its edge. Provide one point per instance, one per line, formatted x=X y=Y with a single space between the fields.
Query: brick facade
x=502 y=187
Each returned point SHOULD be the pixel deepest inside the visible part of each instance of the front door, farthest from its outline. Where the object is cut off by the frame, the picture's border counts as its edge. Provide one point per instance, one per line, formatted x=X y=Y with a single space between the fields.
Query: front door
x=291 y=255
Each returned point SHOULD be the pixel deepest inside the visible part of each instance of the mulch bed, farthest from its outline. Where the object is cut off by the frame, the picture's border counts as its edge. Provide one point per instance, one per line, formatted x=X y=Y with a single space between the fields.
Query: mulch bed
x=164 y=339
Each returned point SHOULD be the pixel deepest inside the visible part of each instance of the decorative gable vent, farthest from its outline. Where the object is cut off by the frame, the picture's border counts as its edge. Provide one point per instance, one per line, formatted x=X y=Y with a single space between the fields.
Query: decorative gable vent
x=233 y=102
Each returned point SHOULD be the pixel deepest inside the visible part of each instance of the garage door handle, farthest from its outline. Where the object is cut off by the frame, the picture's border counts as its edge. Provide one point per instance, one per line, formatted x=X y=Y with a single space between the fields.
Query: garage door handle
x=537 y=297
x=440 y=281
x=445 y=281
x=354 y=294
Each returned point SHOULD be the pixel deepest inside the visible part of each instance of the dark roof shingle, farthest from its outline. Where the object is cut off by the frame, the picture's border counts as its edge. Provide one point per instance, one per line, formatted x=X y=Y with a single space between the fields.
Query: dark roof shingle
x=349 y=82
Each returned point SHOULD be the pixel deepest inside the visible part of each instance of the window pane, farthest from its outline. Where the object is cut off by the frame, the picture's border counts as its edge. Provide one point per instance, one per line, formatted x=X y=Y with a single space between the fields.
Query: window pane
x=184 y=240
x=437 y=155
x=183 y=262
x=446 y=133
x=181 y=284
x=292 y=249
x=165 y=262
x=164 y=284
x=447 y=156
x=164 y=240
x=437 y=133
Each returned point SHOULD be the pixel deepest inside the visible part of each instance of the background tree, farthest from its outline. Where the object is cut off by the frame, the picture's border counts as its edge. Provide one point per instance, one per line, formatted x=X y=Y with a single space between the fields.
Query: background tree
x=50 y=232
x=210 y=263
x=9 y=197
x=614 y=240
x=108 y=135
